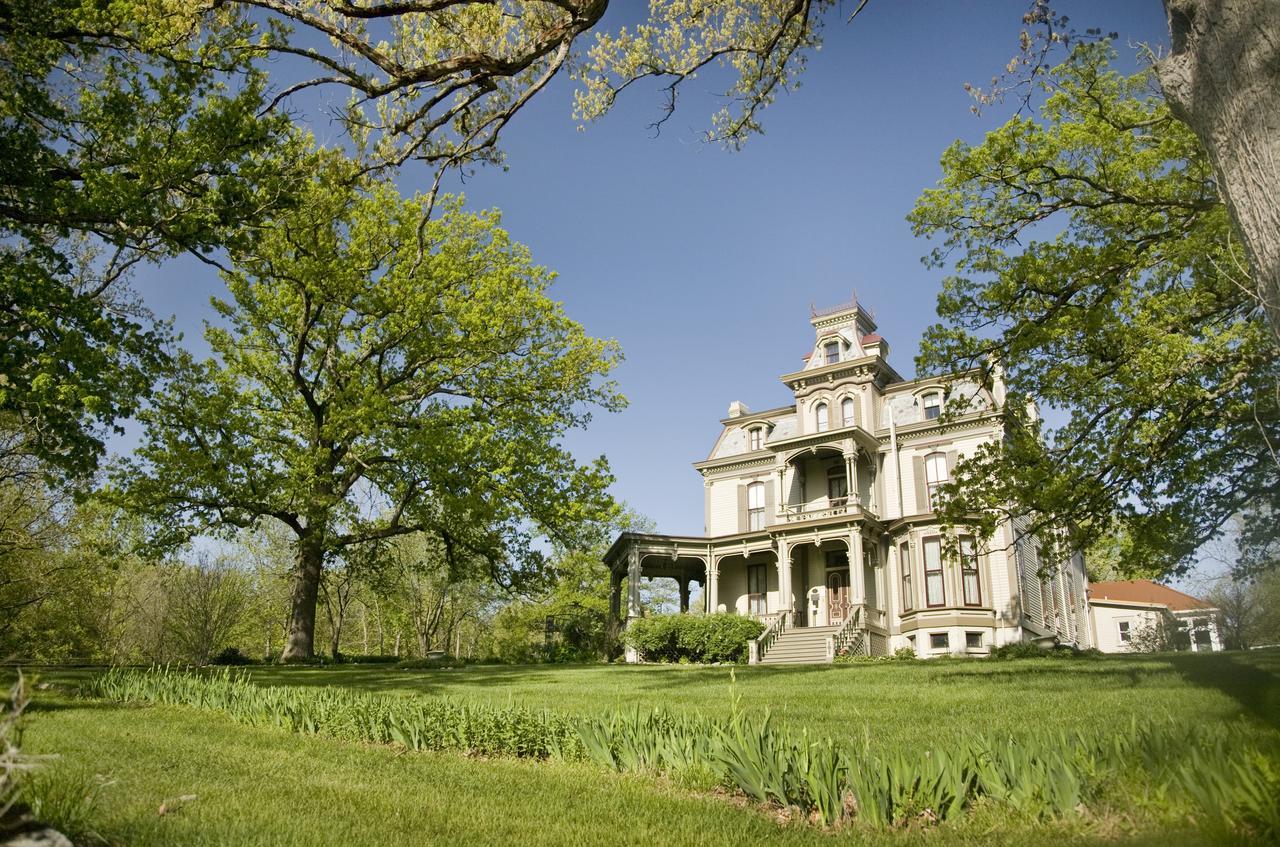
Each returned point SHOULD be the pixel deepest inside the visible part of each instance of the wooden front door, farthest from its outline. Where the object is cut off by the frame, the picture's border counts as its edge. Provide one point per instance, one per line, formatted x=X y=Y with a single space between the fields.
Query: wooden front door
x=837 y=597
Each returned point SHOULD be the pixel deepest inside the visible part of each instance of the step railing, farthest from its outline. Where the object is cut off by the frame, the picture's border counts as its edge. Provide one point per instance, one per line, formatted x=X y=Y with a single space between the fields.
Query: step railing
x=757 y=647
x=851 y=637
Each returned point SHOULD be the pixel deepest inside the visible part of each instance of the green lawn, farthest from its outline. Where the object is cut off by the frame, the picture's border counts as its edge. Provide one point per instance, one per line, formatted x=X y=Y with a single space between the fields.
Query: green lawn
x=895 y=703
x=264 y=786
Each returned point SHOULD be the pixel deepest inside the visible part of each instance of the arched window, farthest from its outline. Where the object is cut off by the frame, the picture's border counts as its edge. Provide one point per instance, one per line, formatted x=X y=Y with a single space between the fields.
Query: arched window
x=935 y=474
x=755 y=506
x=846 y=412
x=820 y=419
x=755 y=438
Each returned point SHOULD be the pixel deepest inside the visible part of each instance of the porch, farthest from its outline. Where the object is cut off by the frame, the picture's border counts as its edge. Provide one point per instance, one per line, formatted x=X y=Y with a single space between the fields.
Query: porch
x=818 y=577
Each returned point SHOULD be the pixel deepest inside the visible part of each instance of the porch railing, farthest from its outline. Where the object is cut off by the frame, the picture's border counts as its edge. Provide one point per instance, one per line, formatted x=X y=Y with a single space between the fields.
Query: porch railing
x=757 y=647
x=832 y=507
x=850 y=637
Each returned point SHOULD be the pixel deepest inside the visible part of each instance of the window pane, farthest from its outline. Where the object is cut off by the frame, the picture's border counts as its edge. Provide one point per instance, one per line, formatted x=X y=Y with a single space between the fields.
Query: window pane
x=935 y=468
x=932 y=555
x=837 y=487
x=969 y=573
x=832 y=351
x=846 y=412
x=932 y=407
x=904 y=562
x=939 y=640
x=755 y=495
x=933 y=588
x=820 y=417
x=973 y=640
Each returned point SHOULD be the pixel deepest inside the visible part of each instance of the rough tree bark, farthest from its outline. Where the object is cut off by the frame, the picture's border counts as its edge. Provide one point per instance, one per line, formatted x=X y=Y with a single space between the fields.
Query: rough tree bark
x=1223 y=80
x=299 y=642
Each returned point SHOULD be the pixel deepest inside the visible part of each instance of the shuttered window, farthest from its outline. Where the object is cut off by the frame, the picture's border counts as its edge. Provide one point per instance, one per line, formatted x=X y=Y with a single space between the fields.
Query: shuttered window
x=935 y=474
x=755 y=506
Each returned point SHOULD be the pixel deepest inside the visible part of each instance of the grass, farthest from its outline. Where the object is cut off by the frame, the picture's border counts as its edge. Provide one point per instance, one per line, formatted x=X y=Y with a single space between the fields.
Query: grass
x=897 y=704
x=264 y=786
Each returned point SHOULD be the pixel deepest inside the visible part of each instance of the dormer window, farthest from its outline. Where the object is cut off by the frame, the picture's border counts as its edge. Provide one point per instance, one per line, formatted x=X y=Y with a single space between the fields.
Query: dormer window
x=831 y=352
x=755 y=438
x=820 y=419
x=932 y=406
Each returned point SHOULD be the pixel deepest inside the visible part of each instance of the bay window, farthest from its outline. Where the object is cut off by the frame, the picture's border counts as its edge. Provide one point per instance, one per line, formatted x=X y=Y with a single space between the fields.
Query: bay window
x=970 y=585
x=934 y=591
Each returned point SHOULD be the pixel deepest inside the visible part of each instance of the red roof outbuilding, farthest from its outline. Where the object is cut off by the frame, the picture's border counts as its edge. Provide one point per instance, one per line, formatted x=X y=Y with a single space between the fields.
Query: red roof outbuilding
x=1145 y=591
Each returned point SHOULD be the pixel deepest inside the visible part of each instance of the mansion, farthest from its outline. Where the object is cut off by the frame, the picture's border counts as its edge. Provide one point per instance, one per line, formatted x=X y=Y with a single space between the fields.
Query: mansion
x=819 y=519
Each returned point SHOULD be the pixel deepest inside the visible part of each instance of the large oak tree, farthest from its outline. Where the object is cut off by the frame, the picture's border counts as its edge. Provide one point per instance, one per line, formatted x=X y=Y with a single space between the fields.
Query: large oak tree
x=1096 y=265
x=373 y=377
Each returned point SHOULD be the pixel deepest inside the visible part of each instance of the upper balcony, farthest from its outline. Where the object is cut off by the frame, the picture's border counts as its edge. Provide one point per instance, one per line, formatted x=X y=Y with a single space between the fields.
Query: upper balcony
x=824 y=507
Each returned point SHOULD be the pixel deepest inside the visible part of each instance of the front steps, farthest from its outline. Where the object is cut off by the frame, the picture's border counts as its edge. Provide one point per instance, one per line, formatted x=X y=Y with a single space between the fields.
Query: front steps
x=806 y=645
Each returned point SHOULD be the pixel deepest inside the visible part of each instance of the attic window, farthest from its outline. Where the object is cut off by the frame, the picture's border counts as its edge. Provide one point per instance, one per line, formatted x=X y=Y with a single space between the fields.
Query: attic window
x=932 y=406
x=831 y=352
x=754 y=438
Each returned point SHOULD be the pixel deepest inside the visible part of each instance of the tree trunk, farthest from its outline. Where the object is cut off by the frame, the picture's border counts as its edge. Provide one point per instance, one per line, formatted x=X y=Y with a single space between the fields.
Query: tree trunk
x=1223 y=80
x=299 y=644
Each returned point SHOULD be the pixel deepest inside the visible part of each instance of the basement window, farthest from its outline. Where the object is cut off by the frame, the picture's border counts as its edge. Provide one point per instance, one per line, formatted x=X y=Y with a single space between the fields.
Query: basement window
x=939 y=641
x=973 y=640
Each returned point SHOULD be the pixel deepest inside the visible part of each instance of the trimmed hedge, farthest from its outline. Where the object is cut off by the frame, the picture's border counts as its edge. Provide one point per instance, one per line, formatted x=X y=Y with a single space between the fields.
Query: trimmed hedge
x=693 y=638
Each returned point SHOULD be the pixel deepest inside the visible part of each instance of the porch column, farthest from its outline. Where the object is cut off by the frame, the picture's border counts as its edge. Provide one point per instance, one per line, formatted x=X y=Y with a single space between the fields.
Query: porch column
x=633 y=584
x=786 y=602
x=684 y=594
x=781 y=499
x=857 y=586
x=615 y=597
x=713 y=585
x=851 y=473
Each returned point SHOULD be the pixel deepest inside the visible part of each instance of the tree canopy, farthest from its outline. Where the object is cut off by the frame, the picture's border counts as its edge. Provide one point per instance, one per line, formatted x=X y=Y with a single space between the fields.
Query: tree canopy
x=1096 y=267
x=373 y=377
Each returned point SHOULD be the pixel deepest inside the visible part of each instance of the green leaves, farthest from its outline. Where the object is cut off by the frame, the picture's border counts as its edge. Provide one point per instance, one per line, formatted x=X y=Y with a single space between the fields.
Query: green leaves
x=1094 y=262
x=375 y=374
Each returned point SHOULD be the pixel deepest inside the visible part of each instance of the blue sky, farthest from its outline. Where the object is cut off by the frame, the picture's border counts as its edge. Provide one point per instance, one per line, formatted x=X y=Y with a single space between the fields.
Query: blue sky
x=702 y=263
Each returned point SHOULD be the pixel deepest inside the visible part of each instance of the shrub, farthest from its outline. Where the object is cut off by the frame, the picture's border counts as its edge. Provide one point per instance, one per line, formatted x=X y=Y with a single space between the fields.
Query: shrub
x=1018 y=650
x=693 y=638
x=1031 y=650
x=231 y=656
x=371 y=659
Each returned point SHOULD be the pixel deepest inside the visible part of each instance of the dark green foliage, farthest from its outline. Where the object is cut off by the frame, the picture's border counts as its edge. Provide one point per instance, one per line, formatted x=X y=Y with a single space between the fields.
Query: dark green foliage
x=693 y=638
x=1095 y=264
x=1031 y=650
x=231 y=656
